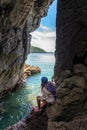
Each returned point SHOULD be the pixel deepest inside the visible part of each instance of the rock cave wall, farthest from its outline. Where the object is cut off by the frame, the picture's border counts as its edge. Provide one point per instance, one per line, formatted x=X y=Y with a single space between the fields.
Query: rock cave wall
x=20 y=17
x=70 y=111
x=17 y=19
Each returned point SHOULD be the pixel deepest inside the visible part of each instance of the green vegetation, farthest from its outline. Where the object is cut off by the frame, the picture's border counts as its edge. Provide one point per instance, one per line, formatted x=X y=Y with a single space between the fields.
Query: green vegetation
x=36 y=50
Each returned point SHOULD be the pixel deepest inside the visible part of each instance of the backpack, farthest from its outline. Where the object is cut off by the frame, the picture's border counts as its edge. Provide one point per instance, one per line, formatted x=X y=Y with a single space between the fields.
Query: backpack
x=51 y=88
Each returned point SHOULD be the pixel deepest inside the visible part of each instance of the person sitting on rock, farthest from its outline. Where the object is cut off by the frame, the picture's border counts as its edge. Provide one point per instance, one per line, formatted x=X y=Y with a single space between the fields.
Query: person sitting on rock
x=48 y=93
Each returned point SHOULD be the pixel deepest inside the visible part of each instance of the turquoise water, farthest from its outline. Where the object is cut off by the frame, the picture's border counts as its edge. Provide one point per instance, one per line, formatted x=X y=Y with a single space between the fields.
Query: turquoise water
x=17 y=104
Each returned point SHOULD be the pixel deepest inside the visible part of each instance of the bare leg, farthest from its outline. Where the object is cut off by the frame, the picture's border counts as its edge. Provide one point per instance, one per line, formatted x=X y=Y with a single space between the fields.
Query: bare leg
x=38 y=101
x=43 y=103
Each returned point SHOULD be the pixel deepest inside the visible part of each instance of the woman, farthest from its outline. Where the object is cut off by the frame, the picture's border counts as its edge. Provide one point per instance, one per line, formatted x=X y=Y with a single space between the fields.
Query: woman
x=47 y=96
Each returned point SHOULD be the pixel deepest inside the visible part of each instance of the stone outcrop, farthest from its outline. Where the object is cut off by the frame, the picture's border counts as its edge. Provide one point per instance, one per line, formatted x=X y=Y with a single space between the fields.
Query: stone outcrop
x=33 y=121
x=30 y=70
x=71 y=47
x=70 y=110
x=17 y=19
x=77 y=124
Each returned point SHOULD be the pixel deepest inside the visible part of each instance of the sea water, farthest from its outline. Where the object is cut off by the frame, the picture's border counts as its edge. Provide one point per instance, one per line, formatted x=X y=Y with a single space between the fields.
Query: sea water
x=18 y=104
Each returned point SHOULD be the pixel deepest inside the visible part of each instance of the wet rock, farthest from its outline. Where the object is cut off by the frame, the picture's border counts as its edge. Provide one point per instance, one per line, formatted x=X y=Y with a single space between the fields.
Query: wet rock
x=19 y=126
x=33 y=121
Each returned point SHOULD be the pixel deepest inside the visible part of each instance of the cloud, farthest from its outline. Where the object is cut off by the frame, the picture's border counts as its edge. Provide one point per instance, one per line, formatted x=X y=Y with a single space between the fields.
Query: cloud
x=44 y=28
x=44 y=38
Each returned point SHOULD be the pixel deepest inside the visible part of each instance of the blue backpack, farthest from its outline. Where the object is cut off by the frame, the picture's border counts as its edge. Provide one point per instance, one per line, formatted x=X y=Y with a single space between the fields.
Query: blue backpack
x=51 y=88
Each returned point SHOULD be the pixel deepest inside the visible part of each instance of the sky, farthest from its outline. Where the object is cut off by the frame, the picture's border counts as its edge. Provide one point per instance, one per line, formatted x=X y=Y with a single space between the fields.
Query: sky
x=45 y=36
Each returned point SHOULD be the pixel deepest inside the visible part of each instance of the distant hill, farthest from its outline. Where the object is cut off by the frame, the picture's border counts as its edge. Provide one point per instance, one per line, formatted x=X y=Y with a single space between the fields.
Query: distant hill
x=34 y=49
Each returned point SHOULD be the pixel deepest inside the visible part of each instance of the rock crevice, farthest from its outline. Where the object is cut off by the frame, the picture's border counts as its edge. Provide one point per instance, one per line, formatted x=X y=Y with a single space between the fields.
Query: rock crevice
x=18 y=19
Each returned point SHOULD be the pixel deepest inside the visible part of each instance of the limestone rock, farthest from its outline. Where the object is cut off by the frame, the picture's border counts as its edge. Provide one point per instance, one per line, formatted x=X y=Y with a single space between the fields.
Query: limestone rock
x=71 y=40
x=17 y=19
x=33 y=121
x=80 y=69
x=20 y=17
x=76 y=124
x=64 y=74
x=69 y=93
x=21 y=125
x=30 y=70
x=71 y=54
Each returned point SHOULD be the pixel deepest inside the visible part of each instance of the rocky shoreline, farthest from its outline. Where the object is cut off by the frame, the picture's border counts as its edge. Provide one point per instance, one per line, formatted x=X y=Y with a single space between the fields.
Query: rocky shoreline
x=33 y=121
x=29 y=70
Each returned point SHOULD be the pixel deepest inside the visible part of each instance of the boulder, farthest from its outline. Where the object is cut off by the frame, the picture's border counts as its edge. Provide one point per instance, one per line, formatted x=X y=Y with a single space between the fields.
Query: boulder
x=30 y=70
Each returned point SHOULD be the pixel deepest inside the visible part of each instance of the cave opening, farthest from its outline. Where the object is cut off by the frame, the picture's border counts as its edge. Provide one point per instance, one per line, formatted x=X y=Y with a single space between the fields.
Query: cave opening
x=42 y=50
x=21 y=100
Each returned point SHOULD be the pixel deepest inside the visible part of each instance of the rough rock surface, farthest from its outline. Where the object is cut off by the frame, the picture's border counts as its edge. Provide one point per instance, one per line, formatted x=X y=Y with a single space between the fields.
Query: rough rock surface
x=17 y=19
x=22 y=16
x=33 y=121
x=70 y=110
x=30 y=70
x=71 y=40
x=76 y=124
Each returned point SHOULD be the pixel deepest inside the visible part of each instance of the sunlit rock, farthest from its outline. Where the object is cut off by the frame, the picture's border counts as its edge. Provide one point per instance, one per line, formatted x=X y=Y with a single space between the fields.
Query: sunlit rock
x=30 y=70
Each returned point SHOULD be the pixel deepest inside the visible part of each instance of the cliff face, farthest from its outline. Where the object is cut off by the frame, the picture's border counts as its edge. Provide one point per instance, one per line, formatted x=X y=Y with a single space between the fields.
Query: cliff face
x=70 y=111
x=20 y=17
x=17 y=19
